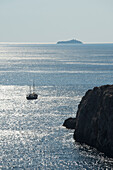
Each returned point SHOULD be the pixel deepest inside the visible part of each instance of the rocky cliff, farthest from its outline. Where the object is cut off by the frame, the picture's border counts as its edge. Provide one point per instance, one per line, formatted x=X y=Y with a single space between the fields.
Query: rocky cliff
x=94 y=119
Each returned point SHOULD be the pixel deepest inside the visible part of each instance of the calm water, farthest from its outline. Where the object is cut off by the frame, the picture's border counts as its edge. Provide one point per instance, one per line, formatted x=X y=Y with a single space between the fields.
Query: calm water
x=31 y=132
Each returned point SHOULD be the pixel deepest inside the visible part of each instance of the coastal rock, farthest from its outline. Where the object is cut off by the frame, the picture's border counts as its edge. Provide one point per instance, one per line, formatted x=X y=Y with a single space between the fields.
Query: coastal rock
x=94 y=119
x=70 y=123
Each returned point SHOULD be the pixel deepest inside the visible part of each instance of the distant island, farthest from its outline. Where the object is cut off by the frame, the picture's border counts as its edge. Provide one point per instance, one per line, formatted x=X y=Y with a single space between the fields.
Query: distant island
x=70 y=42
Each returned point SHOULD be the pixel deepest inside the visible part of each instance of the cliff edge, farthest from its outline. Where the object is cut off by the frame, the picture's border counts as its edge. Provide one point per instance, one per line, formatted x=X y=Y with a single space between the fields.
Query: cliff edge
x=94 y=119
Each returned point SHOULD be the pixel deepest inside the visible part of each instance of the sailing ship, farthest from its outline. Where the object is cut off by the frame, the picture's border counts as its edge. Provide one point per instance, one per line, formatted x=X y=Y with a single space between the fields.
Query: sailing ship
x=32 y=95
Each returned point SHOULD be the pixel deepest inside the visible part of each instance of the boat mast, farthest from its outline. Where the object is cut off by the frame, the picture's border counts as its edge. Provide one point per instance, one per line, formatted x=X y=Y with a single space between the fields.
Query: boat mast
x=33 y=87
x=30 y=89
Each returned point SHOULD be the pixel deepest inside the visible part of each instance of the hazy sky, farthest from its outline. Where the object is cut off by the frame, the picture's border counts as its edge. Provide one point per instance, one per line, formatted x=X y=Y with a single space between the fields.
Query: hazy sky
x=53 y=20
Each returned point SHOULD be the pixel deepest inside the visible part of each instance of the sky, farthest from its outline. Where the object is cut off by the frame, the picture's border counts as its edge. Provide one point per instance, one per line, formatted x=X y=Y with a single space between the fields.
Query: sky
x=49 y=21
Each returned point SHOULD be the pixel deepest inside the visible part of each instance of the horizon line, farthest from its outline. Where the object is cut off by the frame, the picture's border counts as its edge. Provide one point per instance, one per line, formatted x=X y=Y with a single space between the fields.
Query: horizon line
x=42 y=43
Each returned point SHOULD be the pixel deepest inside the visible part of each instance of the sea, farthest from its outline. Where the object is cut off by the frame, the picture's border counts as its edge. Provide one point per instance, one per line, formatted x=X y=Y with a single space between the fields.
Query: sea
x=31 y=132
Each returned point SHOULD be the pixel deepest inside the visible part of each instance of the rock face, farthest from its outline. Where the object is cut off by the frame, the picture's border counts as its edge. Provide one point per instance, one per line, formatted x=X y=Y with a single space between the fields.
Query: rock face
x=94 y=119
x=70 y=123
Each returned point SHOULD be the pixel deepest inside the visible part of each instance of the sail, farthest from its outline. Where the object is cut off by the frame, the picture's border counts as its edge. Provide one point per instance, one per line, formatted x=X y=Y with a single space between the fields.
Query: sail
x=32 y=95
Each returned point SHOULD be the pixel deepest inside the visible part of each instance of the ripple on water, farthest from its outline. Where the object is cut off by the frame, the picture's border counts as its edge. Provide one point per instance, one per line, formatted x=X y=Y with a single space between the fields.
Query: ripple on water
x=32 y=135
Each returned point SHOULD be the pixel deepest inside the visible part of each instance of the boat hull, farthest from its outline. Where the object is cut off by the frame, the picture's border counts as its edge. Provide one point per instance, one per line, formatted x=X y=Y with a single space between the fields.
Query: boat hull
x=32 y=97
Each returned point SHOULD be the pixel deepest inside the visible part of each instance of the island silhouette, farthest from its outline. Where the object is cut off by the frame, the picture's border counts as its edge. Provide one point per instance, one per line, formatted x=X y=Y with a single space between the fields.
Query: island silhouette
x=73 y=41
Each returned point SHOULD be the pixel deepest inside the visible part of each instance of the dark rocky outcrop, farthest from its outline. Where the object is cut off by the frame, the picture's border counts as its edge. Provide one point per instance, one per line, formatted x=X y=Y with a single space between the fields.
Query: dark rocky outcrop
x=70 y=123
x=94 y=119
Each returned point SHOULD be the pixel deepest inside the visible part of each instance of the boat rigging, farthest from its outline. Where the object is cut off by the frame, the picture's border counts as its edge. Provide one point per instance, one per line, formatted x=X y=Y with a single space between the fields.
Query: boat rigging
x=32 y=95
